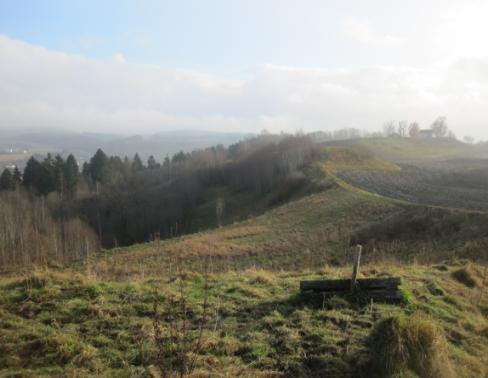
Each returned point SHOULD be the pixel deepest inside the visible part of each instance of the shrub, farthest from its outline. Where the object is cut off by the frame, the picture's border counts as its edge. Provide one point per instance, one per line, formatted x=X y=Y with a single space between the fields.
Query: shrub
x=401 y=345
x=35 y=281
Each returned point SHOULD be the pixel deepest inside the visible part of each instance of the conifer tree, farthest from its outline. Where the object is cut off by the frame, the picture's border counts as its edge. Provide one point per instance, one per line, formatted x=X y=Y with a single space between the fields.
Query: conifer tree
x=48 y=177
x=71 y=174
x=137 y=163
x=167 y=161
x=17 y=176
x=7 y=180
x=59 y=175
x=37 y=177
x=85 y=172
x=99 y=167
x=151 y=163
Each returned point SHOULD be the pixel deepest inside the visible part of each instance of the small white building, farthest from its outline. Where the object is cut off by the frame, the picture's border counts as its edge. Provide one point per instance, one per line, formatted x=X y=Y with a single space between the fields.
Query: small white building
x=426 y=134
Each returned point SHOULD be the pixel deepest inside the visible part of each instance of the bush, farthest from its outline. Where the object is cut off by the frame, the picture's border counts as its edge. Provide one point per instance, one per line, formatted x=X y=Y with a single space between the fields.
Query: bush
x=400 y=346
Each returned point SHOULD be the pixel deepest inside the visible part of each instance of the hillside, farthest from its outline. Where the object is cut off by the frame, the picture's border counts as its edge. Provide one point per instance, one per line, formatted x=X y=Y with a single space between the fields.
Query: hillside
x=256 y=324
x=225 y=300
x=408 y=150
x=461 y=188
x=312 y=231
x=431 y=174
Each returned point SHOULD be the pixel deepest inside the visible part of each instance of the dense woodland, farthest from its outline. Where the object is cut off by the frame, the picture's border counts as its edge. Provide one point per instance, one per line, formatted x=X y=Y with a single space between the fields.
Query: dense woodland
x=54 y=205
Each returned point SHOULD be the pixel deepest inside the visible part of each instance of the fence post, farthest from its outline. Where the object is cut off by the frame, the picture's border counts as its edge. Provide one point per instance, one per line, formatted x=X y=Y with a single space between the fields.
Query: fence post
x=355 y=269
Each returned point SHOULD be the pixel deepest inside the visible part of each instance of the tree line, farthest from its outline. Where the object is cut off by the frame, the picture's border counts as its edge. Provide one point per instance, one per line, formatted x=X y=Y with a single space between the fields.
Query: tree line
x=125 y=201
x=438 y=129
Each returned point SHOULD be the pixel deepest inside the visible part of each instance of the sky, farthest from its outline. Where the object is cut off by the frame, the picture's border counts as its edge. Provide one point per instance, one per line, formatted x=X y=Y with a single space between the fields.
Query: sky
x=244 y=65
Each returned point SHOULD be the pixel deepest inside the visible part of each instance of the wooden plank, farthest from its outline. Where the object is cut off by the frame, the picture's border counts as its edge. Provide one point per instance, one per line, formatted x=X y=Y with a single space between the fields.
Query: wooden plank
x=384 y=295
x=345 y=284
x=381 y=295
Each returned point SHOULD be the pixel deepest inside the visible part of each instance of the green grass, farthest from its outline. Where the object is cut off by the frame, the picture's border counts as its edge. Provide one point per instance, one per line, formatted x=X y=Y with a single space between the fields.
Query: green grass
x=96 y=319
x=66 y=323
x=312 y=231
x=308 y=232
x=240 y=205
x=407 y=149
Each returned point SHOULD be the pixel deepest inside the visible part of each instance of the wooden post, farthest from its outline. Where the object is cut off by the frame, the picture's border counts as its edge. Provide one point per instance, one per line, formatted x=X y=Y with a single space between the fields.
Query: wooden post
x=355 y=269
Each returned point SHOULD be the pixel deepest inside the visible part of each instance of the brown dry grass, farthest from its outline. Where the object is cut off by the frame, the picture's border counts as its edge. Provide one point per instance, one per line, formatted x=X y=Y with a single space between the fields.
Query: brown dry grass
x=468 y=275
x=402 y=344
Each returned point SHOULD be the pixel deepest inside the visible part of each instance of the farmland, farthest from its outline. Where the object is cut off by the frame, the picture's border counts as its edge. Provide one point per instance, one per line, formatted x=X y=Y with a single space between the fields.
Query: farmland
x=455 y=184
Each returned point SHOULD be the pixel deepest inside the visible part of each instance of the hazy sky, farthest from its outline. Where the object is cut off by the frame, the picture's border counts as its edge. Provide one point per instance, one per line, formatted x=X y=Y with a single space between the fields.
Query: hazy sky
x=144 y=66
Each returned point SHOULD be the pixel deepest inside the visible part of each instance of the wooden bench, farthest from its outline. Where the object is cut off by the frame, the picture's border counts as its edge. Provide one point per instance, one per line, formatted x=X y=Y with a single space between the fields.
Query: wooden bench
x=380 y=289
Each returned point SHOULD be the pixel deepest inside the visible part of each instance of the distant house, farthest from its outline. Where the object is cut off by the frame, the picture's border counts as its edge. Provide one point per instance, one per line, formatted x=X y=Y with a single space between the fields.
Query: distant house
x=426 y=134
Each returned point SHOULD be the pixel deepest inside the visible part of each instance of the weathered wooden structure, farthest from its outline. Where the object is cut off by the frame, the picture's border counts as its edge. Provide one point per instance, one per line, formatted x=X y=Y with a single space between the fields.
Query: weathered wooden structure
x=380 y=289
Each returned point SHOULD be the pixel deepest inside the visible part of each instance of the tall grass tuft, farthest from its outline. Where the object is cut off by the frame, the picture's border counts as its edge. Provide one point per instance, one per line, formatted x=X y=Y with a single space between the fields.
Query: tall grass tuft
x=402 y=346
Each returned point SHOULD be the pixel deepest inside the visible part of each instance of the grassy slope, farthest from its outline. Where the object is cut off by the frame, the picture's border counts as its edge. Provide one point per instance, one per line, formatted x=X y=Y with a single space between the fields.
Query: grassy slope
x=308 y=232
x=240 y=205
x=408 y=150
x=259 y=325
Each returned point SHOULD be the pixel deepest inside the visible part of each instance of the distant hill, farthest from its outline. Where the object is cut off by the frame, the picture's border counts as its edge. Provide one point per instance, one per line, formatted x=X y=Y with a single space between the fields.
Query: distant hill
x=407 y=150
x=84 y=145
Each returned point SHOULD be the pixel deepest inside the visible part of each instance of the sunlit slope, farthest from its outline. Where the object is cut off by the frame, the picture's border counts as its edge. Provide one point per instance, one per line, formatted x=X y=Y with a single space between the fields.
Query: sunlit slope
x=315 y=230
x=308 y=231
x=65 y=324
x=401 y=150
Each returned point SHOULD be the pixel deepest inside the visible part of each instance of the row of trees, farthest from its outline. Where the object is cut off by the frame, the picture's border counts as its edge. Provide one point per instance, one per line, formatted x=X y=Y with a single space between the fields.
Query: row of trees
x=31 y=234
x=10 y=180
x=44 y=177
x=126 y=200
x=132 y=202
x=343 y=134
x=54 y=174
x=438 y=129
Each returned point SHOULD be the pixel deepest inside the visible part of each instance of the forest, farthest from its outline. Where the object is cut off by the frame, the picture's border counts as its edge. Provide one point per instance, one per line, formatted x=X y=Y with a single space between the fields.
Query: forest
x=113 y=201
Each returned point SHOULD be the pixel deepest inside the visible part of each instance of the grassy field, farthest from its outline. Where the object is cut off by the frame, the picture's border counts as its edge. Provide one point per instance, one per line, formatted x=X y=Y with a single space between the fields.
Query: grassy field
x=240 y=205
x=256 y=323
x=402 y=150
x=313 y=230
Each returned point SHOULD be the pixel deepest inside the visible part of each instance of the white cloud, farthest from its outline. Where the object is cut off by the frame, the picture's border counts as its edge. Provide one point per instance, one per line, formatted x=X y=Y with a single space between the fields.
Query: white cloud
x=118 y=58
x=40 y=88
x=462 y=29
x=363 y=32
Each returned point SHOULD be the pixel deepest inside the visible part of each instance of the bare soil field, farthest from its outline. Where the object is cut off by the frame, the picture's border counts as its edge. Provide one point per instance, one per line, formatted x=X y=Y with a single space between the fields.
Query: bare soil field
x=456 y=184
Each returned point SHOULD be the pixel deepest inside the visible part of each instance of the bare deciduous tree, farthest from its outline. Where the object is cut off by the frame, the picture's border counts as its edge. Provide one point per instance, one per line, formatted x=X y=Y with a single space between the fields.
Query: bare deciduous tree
x=402 y=128
x=389 y=128
x=219 y=210
x=414 y=130
x=439 y=127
